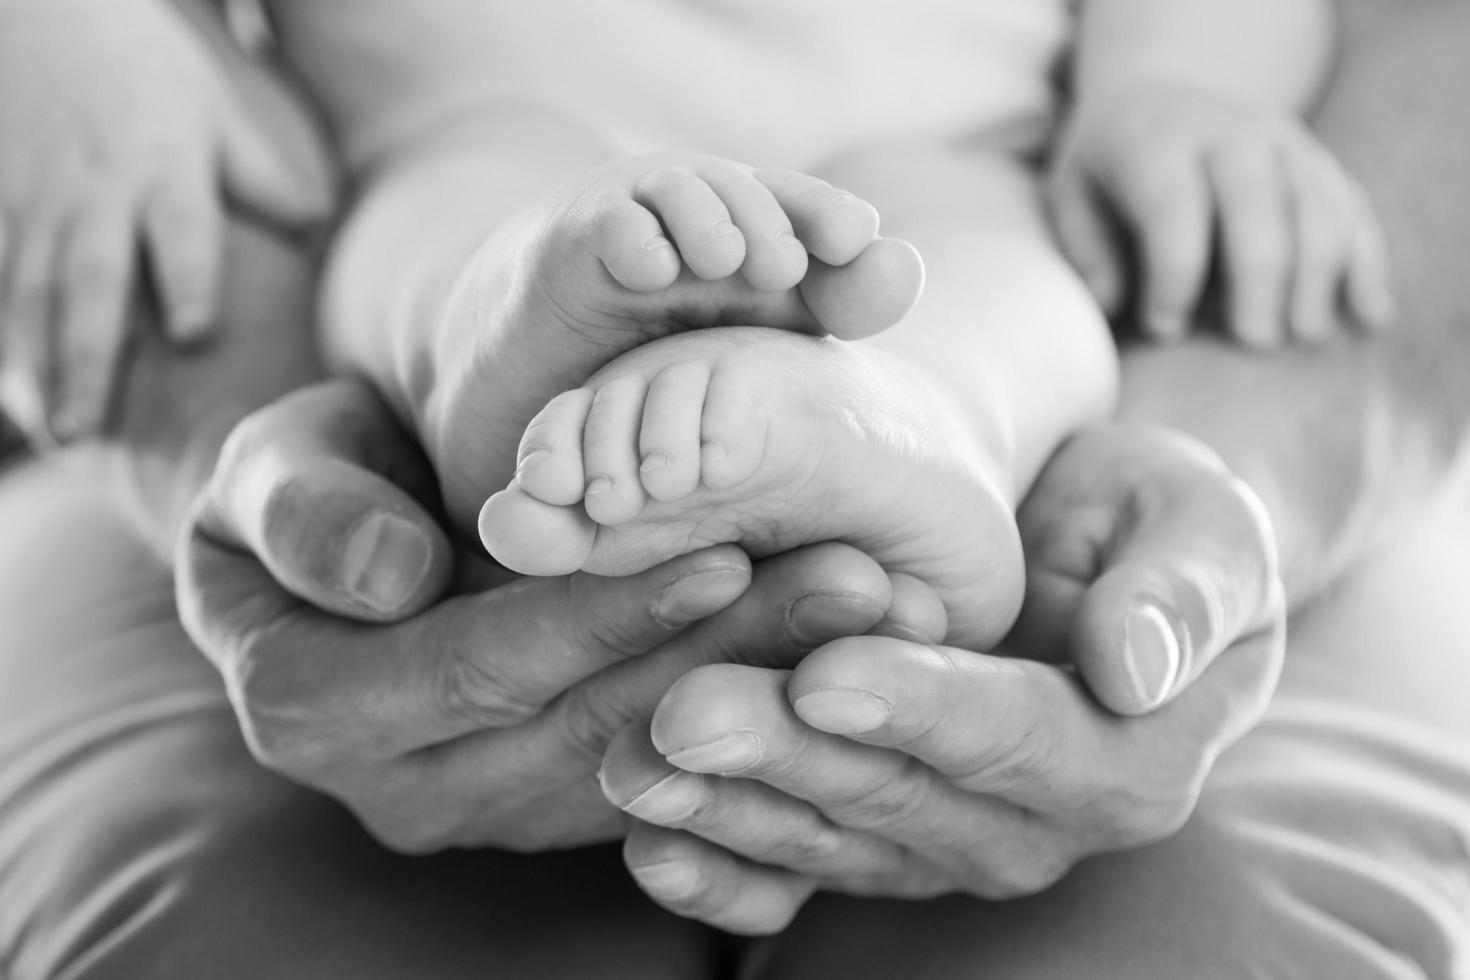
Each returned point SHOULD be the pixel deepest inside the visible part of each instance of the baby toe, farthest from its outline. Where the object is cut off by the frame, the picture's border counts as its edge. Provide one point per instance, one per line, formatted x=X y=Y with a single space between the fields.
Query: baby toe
x=549 y=462
x=669 y=441
x=614 y=492
x=775 y=258
x=833 y=225
x=532 y=537
x=632 y=245
x=696 y=219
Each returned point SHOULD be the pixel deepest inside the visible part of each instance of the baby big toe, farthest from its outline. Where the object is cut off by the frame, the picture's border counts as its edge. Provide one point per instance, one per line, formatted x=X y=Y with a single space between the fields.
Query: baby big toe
x=549 y=461
x=529 y=536
x=869 y=294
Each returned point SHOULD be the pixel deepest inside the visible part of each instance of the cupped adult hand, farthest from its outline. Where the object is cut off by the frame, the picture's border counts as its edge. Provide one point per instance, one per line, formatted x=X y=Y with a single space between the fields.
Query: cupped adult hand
x=887 y=766
x=314 y=577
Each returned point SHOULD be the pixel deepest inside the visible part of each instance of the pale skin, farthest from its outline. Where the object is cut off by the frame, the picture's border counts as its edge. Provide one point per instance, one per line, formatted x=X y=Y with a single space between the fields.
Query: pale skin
x=1165 y=384
x=1185 y=147
x=125 y=166
x=487 y=361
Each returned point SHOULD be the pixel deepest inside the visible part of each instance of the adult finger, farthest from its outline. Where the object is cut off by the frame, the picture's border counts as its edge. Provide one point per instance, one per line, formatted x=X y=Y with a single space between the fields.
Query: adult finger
x=183 y=225
x=795 y=603
x=313 y=690
x=728 y=720
x=699 y=880
x=98 y=263
x=1146 y=559
x=1258 y=240
x=1030 y=734
x=315 y=485
x=744 y=816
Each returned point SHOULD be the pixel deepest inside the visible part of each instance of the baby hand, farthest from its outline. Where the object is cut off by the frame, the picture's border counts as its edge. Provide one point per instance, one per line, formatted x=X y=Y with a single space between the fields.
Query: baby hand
x=119 y=132
x=1180 y=169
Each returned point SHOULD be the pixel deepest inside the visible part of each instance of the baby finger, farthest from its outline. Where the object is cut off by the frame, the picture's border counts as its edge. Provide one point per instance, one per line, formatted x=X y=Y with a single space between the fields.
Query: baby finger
x=184 y=229
x=28 y=295
x=1257 y=238
x=98 y=262
x=1369 y=277
x=1323 y=243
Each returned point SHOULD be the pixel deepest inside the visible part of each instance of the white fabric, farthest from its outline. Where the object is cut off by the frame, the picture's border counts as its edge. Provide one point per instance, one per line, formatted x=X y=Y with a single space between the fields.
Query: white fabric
x=770 y=82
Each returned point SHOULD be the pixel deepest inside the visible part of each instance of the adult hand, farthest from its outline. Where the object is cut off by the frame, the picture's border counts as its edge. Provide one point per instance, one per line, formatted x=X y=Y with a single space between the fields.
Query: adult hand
x=886 y=766
x=479 y=719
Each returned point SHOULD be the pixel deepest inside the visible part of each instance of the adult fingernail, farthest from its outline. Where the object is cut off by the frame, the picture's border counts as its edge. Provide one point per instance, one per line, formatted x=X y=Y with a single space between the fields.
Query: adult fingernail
x=1151 y=654
x=823 y=616
x=671 y=799
x=668 y=880
x=692 y=597
x=384 y=560
x=723 y=756
x=843 y=711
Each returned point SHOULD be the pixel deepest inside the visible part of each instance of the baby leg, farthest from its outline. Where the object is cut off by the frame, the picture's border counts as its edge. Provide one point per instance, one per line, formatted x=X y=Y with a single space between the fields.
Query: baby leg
x=640 y=249
x=915 y=448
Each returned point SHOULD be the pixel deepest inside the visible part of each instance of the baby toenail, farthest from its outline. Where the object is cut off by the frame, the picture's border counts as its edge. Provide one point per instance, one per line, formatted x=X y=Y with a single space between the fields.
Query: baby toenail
x=843 y=197
x=787 y=239
x=725 y=227
x=655 y=241
x=712 y=452
x=598 y=484
x=654 y=461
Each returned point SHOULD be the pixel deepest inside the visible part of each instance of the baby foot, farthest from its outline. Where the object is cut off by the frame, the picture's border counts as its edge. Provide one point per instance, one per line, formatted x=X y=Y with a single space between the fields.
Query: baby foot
x=644 y=248
x=771 y=440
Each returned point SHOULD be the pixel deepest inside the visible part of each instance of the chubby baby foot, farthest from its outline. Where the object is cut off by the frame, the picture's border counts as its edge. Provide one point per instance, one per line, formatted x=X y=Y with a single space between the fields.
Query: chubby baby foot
x=771 y=440
x=641 y=249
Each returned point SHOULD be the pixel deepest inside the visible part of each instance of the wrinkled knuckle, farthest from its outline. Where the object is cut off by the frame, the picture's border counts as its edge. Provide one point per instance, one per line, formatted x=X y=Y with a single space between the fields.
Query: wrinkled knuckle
x=278 y=718
x=1027 y=756
x=483 y=689
x=810 y=846
x=890 y=803
x=613 y=628
x=587 y=719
